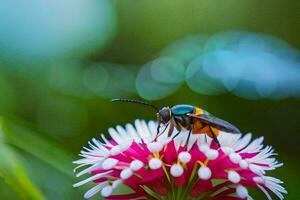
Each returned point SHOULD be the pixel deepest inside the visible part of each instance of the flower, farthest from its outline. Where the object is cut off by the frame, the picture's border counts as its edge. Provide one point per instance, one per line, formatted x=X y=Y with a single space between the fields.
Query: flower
x=167 y=169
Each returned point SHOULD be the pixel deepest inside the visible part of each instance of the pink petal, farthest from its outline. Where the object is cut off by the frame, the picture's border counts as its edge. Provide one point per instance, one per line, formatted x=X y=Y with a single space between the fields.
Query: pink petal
x=201 y=186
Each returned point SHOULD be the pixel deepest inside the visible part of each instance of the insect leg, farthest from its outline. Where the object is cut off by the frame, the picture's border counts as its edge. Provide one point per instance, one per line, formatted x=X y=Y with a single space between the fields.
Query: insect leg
x=159 y=134
x=175 y=135
x=214 y=137
x=178 y=128
x=158 y=127
x=188 y=138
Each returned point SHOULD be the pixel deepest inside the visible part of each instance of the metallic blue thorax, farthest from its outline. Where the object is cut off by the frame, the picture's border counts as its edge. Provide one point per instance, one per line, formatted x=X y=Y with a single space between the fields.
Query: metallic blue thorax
x=182 y=109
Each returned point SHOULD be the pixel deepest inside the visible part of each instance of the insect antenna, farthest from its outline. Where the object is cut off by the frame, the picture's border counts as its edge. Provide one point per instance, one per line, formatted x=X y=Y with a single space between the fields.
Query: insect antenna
x=137 y=102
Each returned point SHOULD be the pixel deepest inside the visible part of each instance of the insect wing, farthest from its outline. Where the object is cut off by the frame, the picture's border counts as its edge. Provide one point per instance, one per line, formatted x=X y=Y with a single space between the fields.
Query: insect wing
x=216 y=122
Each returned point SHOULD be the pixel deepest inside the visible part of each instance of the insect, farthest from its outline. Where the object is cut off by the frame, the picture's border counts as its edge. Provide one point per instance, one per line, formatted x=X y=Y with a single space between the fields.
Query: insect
x=191 y=118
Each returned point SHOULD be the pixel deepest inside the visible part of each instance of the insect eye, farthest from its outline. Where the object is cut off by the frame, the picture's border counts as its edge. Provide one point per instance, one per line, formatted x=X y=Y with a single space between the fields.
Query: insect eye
x=164 y=115
x=158 y=117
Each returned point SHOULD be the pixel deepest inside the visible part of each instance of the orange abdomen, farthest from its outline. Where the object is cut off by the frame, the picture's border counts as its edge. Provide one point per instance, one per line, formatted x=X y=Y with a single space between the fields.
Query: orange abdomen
x=200 y=128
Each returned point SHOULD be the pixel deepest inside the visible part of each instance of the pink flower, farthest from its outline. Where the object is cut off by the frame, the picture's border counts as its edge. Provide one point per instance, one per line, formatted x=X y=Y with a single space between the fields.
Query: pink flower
x=167 y=169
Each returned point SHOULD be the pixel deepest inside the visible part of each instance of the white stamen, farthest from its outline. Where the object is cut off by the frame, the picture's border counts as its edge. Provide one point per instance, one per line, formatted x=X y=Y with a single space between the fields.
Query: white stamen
x=227 y=150
x=259 y=180
x=176 y=170
x=92 y=178
x=204 y=173
x=244 y=164
x=89 y=169
x=120 y=148
x=184 y=157
x=94 y=190
x=204 y=148
x=265 y=192
x=107 y=191
x=256 y=169
x=116 y=183
x=126 y=173
x=241 y=191
x=109 y=163
x=115 y=135
x=125 y=145
x=155 y=147
x=155 y=163
x=115 y=150
x=211 y=154
x=235 y=158
x=136 y=165
x=233 y=176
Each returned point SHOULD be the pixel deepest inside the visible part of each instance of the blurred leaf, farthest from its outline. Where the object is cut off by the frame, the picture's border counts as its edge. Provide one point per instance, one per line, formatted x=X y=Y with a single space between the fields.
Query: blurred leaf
x=15 y=176
x=38 y=145
x=53 y=183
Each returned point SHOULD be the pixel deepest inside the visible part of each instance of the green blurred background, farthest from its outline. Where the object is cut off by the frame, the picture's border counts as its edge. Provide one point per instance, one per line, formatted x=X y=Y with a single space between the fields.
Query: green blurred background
x=62 y=60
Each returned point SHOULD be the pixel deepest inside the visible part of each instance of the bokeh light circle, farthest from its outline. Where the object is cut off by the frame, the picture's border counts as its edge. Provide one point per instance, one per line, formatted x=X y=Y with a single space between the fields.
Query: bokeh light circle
x=159 y=78
x=198 y=81
x=35 y=30
x=184 y=50
x=251 y=66
x=110 y=80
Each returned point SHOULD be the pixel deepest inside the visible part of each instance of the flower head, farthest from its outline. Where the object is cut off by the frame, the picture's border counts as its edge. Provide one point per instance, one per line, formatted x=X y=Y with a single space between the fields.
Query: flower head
x=167 y=169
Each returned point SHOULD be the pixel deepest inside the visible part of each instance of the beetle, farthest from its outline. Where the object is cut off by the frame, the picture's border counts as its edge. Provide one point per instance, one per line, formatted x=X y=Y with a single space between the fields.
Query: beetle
x=191 y=118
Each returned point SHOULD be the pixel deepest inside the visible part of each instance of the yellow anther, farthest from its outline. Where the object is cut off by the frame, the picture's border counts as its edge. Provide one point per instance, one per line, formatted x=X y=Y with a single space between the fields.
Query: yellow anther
x=183 y=165
x=203 y=164
x=206 y=162
x=200 y=163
